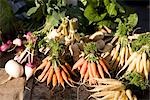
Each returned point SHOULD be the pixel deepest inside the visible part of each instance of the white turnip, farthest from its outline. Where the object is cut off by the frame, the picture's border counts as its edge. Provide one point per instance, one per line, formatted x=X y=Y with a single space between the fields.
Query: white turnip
x=14 y=70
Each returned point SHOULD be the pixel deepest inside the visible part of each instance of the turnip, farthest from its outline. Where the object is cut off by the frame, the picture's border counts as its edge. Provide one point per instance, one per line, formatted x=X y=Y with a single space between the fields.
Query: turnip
x=14 y=70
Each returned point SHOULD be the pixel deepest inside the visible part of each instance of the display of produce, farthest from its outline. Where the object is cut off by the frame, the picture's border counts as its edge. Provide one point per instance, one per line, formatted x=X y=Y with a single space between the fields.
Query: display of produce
x=90 y=43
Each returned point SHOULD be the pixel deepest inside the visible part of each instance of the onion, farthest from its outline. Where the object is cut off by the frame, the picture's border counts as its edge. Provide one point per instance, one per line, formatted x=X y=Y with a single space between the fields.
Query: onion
x=14 y=70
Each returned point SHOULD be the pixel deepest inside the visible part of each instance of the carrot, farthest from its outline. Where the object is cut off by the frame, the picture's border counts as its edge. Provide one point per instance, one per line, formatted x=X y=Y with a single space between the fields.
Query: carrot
x=138 y=68
x=51 y=71
x=65 y=69
x=104 y=67
x=144 y=64
x=78 y=63
x=44 y=71
x=100 y=94
x=108 y=97
x=122 y=59
x=64 y=76
x=90 y=70
x=69 y=68
x=59 y=76
x=100 y=70
x=107 y=29
x=54 y=81
x=128 y=62
x=116 y=62
x=115 y=54
x=148 y=65
x=129 y=94
x=134 y=97
x=116 y=96
x=132 y=65
x=45 y=77
x=90 y=73
x=45 y=59
x=111 y=55
x=42 y=65
x=86 y=76
x=126 y=53
x=130 y=50
x=93 y=68
x=79 y=67
x=107 y=64
x=83 y=69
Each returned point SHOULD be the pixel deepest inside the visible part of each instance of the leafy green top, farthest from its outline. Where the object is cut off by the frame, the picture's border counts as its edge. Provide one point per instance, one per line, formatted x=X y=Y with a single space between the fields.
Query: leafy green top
x=141 y=41
x=136 y=79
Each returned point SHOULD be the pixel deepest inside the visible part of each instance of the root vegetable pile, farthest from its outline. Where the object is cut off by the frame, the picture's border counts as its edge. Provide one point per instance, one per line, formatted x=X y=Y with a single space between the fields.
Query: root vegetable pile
x=139 y=59
x=90 y=65
x=110 y=89
x=53 y=71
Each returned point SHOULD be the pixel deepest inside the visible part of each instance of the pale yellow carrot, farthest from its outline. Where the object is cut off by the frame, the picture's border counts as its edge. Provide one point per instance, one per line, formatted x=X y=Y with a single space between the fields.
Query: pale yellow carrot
x=126 y=54
x=130 y=50
x=129 y=94
x=138 y=68
x=128 y=62
x=132 y=65
x=115 y=54
x=122 y=56
x=144 y=65
x=148 y=65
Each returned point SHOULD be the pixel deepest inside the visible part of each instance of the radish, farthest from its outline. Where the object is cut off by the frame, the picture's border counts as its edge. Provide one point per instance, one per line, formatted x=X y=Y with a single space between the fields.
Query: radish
x=29 y=69
x=14 y=70
x=17 y=42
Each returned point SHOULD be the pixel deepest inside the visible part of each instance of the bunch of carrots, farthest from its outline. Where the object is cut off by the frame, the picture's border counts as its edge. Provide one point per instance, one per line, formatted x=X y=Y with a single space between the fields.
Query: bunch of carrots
x=139 y=59
x=53 y=71
x=110 y=89
x=120 y=53
x=90 y=65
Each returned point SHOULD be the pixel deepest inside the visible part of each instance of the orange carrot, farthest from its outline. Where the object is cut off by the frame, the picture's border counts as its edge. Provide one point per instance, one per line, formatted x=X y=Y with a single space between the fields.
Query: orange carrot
x=69 y=68
x=83 y=69
x=51 y=71
x=45 y=59
x=107 y=64
x=65 y=69
x=42 y=65
x=45 y=77
x=100 y=70
x=93 y=68
x=86 y=76
x=64 y=76
x=59 y=77
x=90 y=70
x=78 y=63
x=44 y=71
x=91 y=76
x=104 y=67
x=54 y=81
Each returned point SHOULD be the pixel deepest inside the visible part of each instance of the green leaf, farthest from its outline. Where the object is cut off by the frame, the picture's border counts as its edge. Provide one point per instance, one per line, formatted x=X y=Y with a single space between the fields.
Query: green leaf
x=32 y=11
x=92 y=15
x=84 y=2
x=106 y=2
x=107 y=23
x=132 y=20
x=121 y=9
x=111 y=9
x=121 y=29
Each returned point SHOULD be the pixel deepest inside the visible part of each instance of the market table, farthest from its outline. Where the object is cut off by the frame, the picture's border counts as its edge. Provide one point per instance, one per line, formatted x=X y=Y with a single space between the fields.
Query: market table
x=13 y=89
